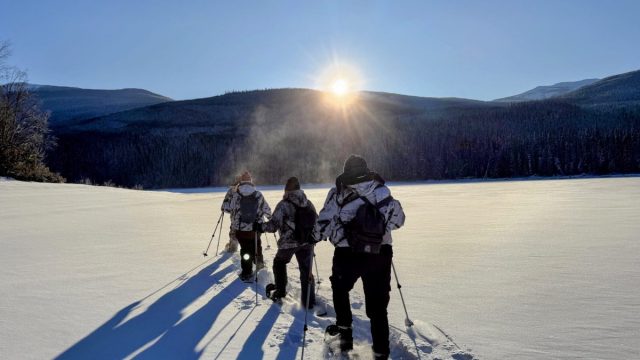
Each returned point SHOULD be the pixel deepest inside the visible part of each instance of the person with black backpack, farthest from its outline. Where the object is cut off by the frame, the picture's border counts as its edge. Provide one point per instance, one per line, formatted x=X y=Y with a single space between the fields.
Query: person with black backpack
x=248 y=211
x=294 y=218
x=358 y=217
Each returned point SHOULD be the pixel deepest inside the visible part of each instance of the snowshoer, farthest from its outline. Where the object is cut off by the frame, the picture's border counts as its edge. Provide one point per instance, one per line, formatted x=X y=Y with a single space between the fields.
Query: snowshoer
x=248 y=210
x=358 y=217
x=294 y=218
x=232 y=245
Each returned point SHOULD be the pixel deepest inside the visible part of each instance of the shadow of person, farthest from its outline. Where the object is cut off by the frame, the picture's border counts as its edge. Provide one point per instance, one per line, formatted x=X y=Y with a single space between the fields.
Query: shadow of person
x=116 y=339
x=293 y=341
x=252 y=348
x=180 y=341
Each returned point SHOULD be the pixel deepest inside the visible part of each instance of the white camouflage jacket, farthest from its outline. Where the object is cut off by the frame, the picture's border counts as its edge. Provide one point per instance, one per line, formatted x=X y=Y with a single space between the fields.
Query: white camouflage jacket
x=283 y=219
x=233 y=206
x=338 y=210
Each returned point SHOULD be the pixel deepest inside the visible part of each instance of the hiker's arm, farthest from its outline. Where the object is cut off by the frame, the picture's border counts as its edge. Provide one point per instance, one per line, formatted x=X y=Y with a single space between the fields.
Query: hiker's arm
x=395 y=215
x=226 y=203
x=263 y=209
x=322 y=229
x=275 y=222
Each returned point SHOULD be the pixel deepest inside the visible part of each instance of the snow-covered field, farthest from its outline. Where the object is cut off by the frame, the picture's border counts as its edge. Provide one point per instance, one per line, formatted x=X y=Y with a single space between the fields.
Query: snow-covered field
x=515 y=269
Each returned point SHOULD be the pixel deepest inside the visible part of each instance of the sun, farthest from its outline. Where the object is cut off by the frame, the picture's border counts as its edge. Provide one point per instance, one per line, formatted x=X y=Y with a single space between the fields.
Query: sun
x=340 y=84
x=340 y=87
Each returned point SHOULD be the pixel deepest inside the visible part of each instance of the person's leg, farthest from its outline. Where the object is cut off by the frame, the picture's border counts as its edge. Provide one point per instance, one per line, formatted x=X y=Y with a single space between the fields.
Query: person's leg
x=376 y=281
x=304 y=255
x=344 y=273
x=280 y=261
x=247 y=253
x=232 y=245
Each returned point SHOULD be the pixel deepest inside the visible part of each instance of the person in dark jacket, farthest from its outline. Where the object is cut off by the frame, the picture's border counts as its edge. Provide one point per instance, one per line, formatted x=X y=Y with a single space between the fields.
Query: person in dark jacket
x=290 y=243
x=356 y=187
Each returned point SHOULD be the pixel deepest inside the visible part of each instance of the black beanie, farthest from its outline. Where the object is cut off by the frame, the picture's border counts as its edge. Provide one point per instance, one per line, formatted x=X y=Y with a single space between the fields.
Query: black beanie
x=355 y=170
x=292 y=184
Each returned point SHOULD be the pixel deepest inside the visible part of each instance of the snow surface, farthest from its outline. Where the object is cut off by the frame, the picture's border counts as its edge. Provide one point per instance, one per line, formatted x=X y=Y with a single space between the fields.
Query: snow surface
x=515 y=269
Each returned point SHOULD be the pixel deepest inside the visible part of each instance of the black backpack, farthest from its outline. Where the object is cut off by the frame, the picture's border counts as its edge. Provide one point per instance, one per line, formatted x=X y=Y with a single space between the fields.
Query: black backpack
x=248 y=208
x=305 y=219
x=366 y=230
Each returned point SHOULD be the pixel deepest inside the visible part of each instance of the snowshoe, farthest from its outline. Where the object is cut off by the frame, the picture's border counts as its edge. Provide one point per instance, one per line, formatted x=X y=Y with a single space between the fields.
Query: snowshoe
x=342 y=334
x=273 y=294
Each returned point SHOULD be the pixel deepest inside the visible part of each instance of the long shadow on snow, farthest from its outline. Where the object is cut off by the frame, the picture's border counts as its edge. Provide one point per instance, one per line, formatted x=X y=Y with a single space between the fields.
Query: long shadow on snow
x=180 y=341
x=116 y=339
x=252 y=348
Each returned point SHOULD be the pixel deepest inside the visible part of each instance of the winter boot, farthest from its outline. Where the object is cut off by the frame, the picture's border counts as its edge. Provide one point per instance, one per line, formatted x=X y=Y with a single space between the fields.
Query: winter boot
x=246 y=277
x=345 y=333
x=379 y=356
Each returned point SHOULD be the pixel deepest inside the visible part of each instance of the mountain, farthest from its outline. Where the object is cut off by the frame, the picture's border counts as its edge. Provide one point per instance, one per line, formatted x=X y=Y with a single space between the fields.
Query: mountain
x=278 y=133
x=545 y=92
x=238 y=109
x=70 y=104
x=618 y=90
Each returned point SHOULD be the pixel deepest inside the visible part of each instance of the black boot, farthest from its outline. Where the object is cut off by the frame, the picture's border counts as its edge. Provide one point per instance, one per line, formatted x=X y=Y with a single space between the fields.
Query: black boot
x=379 y=356
x=345 y=333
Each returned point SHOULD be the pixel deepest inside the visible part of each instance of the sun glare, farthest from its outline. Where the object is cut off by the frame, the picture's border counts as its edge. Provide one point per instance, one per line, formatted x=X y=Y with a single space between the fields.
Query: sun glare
x=341 y=84
x=340 y=87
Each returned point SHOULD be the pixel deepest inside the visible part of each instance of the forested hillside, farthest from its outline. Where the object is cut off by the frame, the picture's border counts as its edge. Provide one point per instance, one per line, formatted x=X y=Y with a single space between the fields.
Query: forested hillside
x=279 y=133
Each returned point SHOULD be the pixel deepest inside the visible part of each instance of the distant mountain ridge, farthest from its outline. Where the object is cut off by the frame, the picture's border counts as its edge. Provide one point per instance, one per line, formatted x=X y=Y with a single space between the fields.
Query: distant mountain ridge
x=548 y=91
x=617 y=90
x=237 y=109
x=70 y=104
x=282 y=132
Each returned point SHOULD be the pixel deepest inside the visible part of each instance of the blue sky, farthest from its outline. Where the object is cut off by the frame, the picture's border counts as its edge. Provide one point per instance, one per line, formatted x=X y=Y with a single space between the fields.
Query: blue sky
x=199 y=48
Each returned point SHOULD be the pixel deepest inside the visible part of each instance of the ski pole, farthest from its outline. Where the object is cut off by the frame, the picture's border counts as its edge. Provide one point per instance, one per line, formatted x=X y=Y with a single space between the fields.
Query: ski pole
x=316 y=261
x=268 y=245
x=407 y=321
x=306 y=304
x=220 y=234
x=214 y=234
x=255 y=260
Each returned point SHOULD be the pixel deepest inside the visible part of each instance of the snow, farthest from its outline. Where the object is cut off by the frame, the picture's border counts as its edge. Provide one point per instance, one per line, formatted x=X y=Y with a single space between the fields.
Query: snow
x=513 y=269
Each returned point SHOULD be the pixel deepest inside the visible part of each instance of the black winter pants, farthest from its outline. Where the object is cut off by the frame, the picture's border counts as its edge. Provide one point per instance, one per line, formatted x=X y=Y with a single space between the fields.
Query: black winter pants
x=304 y=255
x=375 y=271
x=247 y=240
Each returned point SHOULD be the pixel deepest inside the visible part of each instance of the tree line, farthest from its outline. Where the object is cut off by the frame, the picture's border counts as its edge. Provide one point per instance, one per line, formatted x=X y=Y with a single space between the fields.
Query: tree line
x=542 y=138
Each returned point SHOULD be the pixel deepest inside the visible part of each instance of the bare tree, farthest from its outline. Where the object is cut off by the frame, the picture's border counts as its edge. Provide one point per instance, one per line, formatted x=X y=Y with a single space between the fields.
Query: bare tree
x=24 y=132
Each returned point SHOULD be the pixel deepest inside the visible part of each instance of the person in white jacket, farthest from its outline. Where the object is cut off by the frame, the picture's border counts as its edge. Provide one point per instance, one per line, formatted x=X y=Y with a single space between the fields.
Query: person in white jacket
x=248 y=210
x=357 y=218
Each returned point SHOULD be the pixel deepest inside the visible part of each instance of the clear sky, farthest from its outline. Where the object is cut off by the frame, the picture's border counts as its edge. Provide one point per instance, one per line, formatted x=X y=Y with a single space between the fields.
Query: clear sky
x=199 y=48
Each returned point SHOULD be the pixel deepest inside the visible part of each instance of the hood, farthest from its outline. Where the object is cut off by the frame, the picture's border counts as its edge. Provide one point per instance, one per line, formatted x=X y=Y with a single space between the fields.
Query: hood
x=371 y=189
x=297 y=197
x=246 y=188
x=364 y=188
